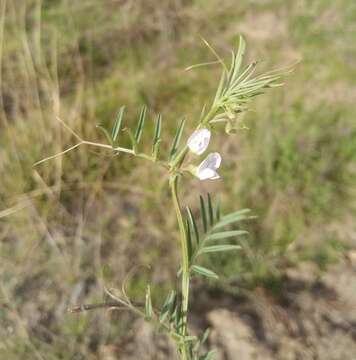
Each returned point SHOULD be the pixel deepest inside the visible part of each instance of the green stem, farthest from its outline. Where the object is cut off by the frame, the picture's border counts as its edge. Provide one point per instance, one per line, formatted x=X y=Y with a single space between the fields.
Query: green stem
x=185 y=261
x=175 y=166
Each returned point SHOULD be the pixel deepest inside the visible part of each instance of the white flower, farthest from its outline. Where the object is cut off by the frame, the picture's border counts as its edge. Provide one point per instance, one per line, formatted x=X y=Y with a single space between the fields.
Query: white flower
x=207 y=168
x=199 y=141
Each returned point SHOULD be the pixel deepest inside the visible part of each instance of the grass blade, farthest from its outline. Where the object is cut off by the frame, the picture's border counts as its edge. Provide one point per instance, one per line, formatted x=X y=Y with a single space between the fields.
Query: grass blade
x=117 y=125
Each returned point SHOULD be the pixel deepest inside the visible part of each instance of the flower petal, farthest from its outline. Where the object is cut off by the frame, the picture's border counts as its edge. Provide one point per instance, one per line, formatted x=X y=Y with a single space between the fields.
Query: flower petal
x=199 y=141
x=212 y=161
x=207 y=168
x=216 y=176
x=206 y=174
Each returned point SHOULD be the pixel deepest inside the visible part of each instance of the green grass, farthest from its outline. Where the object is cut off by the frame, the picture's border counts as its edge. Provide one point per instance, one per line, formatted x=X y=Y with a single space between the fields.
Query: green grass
x=62 y=221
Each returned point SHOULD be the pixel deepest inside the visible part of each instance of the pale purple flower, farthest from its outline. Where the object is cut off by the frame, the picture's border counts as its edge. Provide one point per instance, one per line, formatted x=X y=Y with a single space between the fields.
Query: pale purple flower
x=207 y=168
x=199 y=141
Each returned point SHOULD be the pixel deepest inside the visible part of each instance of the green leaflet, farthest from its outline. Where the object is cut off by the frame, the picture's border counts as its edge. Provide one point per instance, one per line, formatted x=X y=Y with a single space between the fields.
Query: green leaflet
x=204 y=271
x=158 y=126
x=178 y=317
x=106 y=133
x=211 y=211
x=193 y=225
x=205 y=336
x=244 y=76
x=155 y=152
x=117 y=125
x=141 y=123
x=168 y=306
x=157 y=137
x=240 y=54
x=132 y=139
x=236 y=60
x=218 y=209
x=219 y=248
x=232 y=218
x=220 y=89
x=202 y=339
x=238 y=85
x=176 y=139
x=208 y=356
x=225 y=234
x=189 y=239
x=225 y=222
x=203 y=214
x=148 y=304
x=236 y=214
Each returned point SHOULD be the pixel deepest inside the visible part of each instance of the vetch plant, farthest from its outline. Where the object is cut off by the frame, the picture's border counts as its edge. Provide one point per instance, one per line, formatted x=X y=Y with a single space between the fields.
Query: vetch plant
x=204 y=230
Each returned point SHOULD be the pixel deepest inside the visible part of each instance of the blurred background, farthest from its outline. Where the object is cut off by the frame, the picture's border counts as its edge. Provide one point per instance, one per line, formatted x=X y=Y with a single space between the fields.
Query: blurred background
x=74 y=224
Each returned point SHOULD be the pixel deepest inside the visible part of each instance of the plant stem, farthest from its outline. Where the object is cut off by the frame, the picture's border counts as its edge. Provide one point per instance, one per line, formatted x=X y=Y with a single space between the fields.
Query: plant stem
x=175 y=165
x=118 y=149
x=185 y=262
